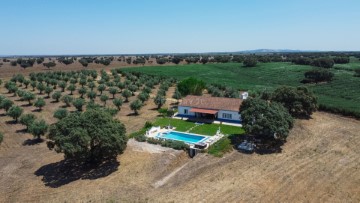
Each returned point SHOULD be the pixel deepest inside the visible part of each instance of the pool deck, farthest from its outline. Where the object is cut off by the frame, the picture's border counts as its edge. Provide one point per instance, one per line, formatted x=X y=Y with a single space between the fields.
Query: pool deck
x=155 y=131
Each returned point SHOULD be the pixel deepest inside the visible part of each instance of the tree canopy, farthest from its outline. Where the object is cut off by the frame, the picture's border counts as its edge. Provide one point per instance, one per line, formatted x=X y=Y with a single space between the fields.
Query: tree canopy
x=300 y=101
x=15 y=112
x=191 y=86
x=38 y=128
x=265 y=120
x=250 y=62
x=317 y=75
x=89 y=136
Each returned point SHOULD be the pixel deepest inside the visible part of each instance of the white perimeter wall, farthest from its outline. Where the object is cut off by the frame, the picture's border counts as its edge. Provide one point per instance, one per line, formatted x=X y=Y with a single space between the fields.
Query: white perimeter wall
x=235 y=115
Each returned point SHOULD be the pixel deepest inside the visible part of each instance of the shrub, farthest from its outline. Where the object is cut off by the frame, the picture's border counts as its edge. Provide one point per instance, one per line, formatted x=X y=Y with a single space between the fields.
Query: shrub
x=148 y=125
x=140 y=138
x=153 y=141
x=178 y=145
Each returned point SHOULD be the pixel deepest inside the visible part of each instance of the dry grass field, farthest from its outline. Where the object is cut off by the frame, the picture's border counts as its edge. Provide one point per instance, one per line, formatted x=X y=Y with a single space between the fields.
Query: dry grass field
x=319 y=163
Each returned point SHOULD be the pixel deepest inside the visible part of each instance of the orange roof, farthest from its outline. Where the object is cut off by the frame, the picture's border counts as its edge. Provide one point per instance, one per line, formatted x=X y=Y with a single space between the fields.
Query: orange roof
x=214 y=103
x=207 y=111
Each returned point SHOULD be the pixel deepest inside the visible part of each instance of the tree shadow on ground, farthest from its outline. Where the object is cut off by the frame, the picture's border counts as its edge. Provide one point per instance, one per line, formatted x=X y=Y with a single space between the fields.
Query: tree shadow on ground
x=63 y=172
x=26 y=105
x=23 y=131
x=12 y=122
x=31 y=142
x=132 y=114
x=261 y=147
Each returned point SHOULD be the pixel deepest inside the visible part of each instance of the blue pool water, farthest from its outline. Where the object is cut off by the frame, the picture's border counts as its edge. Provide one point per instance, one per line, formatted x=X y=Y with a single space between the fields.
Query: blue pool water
x=185 y=137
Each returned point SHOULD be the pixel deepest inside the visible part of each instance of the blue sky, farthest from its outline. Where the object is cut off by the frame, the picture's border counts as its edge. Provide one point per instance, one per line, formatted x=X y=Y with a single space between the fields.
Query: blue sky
x=176 y=26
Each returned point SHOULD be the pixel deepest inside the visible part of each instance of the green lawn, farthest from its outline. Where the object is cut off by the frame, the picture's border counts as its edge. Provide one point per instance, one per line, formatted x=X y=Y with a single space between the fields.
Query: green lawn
x=343 y=92
x=221 y=147
x=180 y=125
x=205 y=129
x=210 y=129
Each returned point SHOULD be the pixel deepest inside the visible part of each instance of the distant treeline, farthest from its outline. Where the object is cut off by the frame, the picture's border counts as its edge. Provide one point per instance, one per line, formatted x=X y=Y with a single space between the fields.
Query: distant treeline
x=317 y=59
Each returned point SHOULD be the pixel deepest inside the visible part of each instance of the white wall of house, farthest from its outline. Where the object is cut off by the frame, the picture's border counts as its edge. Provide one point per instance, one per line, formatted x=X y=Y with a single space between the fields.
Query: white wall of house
x=229 y=115
x=185 y=110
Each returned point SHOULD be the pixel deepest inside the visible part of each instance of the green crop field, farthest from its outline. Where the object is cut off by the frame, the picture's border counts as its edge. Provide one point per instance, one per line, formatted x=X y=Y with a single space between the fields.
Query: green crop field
x=342 y=93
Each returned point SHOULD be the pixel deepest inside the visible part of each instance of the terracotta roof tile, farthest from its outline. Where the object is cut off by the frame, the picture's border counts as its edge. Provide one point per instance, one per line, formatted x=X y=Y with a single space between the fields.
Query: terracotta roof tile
x=218 y=103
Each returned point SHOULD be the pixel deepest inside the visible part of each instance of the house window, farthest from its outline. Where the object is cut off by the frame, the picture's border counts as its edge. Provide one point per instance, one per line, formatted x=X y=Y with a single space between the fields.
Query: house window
x=185 y=111
x=227 y=115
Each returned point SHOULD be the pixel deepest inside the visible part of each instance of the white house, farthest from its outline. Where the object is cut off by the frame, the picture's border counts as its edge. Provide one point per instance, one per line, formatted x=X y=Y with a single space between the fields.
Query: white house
x=216 y=108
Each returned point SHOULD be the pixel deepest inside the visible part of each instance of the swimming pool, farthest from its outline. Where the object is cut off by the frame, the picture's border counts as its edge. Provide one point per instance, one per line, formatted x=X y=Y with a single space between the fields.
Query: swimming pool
x=185 y=137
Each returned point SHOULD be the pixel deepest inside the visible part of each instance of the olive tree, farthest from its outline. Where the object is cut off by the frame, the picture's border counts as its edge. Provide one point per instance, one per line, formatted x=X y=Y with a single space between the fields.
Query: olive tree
x=177 y=95
x=101 y=88
x=113 y=91
x=67 y=99
x=28 y=96
x=118 y=103
x=15 y=112
x=136 y=106
x=91 y=95
x=41 y=87
x=62 y=85
x=79 y=103
x=71 y=88
x=27 y=120
x=39 y=103
x=48 y=91
x=6 y=104
x=38 y=128
x=56 y=96
x=159 y=100
x=82 y=91
x=104 y=98
x=126 y=93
